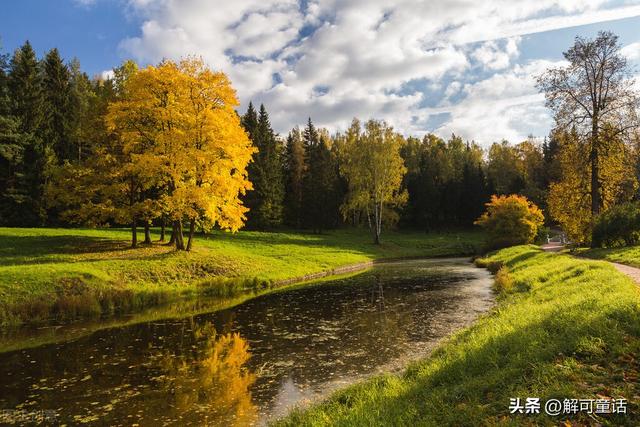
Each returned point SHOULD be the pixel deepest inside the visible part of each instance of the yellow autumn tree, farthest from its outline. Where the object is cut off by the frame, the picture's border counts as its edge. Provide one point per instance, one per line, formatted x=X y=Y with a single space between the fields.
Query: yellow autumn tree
x=178 y=126
x=510 y=220
x=373 y=168
x=569 y=198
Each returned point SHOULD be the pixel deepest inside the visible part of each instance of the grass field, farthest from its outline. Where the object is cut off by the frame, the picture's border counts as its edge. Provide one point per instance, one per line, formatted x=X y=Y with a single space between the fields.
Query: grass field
x=563 y=328
x=71 y=273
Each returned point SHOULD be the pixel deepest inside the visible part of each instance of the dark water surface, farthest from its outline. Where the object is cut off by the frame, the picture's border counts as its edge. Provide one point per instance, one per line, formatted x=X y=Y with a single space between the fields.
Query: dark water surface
x=250 y=363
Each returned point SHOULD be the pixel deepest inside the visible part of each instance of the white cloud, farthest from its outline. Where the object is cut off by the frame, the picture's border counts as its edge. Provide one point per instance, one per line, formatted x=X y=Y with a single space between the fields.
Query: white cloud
x=631 y=51
x=107 y=74
x=335 y=59
x=494 y=55
x=503 y=106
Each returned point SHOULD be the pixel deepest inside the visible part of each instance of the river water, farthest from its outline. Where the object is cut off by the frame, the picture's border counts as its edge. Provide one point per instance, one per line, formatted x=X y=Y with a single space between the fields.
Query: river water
x=251 y=363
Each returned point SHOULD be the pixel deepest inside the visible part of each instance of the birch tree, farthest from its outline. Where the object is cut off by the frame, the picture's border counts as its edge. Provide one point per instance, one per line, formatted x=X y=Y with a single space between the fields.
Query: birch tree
x=373 y=168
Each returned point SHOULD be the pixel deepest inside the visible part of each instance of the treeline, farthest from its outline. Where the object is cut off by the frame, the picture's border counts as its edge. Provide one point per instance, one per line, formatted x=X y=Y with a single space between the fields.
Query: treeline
x=297 y=180
x=52 y=114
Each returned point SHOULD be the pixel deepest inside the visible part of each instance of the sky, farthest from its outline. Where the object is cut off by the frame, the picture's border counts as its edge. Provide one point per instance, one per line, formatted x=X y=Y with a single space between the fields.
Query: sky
x=443 y=66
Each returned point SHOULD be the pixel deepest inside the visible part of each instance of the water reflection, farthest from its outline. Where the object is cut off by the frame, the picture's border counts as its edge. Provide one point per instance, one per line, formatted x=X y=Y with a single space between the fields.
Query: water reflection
x=249 y=363
x=210 y=381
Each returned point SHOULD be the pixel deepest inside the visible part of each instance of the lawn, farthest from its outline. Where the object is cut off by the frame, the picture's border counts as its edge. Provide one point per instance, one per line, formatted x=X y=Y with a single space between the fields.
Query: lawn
x=71 y=273
x=564 y=328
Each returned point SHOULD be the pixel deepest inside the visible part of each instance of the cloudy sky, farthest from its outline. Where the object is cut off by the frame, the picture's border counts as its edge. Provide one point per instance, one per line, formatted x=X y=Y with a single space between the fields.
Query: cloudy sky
x=443 y=66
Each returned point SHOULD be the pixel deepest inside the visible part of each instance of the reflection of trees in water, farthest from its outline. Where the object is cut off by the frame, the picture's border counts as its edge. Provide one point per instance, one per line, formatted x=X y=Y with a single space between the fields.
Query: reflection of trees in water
x=211 y=381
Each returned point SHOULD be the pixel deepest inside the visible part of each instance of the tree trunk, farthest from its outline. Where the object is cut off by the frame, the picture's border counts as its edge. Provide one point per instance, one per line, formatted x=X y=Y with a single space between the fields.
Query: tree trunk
x=179 y=238
x=595 y=183
x=172 y=239
x=147 y=233
x=163 y=222
x=192 y=226
x=377 y=224
x=134 y=233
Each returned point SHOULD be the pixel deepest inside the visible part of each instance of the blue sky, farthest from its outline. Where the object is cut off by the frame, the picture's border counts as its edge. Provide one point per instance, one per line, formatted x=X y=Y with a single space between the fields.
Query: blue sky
x=463 y=67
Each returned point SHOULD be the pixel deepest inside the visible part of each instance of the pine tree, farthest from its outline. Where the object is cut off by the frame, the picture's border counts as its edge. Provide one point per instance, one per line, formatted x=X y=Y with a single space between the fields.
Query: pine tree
x=11 y=153
x=56 y=92
x=319 y=207
x=294 y=171
x=270 y=185
x=265 y=202
x=25 y=90
x=250 y=121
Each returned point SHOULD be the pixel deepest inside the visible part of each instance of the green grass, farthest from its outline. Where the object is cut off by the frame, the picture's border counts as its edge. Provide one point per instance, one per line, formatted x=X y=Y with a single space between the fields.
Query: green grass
x=566 y=328
x=73 y=273
x=629 y=255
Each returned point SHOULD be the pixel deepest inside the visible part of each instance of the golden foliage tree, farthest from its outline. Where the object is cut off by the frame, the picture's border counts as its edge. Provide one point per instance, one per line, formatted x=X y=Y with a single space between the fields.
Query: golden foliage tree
x=180 y=132
x=511 y=220
x=373 y=167
x=570 y=197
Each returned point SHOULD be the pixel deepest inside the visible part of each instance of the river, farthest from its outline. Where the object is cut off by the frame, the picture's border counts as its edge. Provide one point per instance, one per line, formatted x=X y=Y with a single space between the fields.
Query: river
x=251 y=363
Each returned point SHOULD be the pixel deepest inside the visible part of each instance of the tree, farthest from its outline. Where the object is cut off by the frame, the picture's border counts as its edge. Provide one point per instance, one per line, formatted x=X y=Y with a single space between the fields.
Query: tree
x=504 y=168
x=56 y=126
x=84 y=107
x=374 y=170
x=25 y=91
x=11 y=154
x=591 y=93
x=569 y=198
x=319 y=205
x=511 y=220
x=265 y=202
x=179 y=129
x=294 y=172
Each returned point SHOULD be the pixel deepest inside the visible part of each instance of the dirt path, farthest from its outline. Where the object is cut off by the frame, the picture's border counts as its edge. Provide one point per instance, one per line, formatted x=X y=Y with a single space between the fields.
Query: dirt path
x=632 y=272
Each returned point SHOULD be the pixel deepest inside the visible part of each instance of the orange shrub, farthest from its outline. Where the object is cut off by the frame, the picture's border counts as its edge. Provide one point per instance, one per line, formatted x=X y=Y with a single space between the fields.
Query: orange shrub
x=510 y=220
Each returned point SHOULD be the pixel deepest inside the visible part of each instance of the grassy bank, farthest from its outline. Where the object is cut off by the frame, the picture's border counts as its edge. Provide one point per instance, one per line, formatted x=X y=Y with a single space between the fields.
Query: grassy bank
x=80 y=273
x=563 y=328
x=629 y=255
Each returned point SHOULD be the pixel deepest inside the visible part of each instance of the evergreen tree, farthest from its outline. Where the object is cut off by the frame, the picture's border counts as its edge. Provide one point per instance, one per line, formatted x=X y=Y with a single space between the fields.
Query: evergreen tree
x=294 y=171
x=265 y=201
x=320 y=209
x=11 y=153
x=250 y=121
x=56 y=119
x=25 y=90
x=269 y=185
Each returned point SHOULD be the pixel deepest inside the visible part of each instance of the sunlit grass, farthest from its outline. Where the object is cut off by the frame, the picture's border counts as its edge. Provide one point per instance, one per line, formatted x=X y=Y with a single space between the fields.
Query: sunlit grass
x=629 y=255
x=567 y=328
x=69 y=273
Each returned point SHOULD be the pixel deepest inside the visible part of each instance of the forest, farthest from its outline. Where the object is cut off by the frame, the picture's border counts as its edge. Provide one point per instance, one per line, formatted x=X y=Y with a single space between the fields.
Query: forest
x=140 y=149
x=53 y=120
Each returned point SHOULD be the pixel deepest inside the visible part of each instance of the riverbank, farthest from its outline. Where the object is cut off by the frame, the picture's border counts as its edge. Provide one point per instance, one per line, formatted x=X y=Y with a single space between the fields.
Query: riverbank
x=67 y=274
x=564 y=328
x=629 y=255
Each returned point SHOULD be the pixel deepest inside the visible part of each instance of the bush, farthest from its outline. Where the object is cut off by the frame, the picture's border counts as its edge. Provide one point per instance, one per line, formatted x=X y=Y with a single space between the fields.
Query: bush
x=511 y=220
x=618 y=226
x=503 y=282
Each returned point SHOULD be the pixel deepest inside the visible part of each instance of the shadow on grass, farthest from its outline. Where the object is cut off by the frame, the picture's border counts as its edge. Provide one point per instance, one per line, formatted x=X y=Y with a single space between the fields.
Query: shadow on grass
x=472 y=386
x=25 y=250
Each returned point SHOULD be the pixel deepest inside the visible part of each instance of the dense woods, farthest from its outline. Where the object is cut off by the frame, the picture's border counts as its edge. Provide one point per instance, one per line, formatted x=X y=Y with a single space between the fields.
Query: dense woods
x=164 y=145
